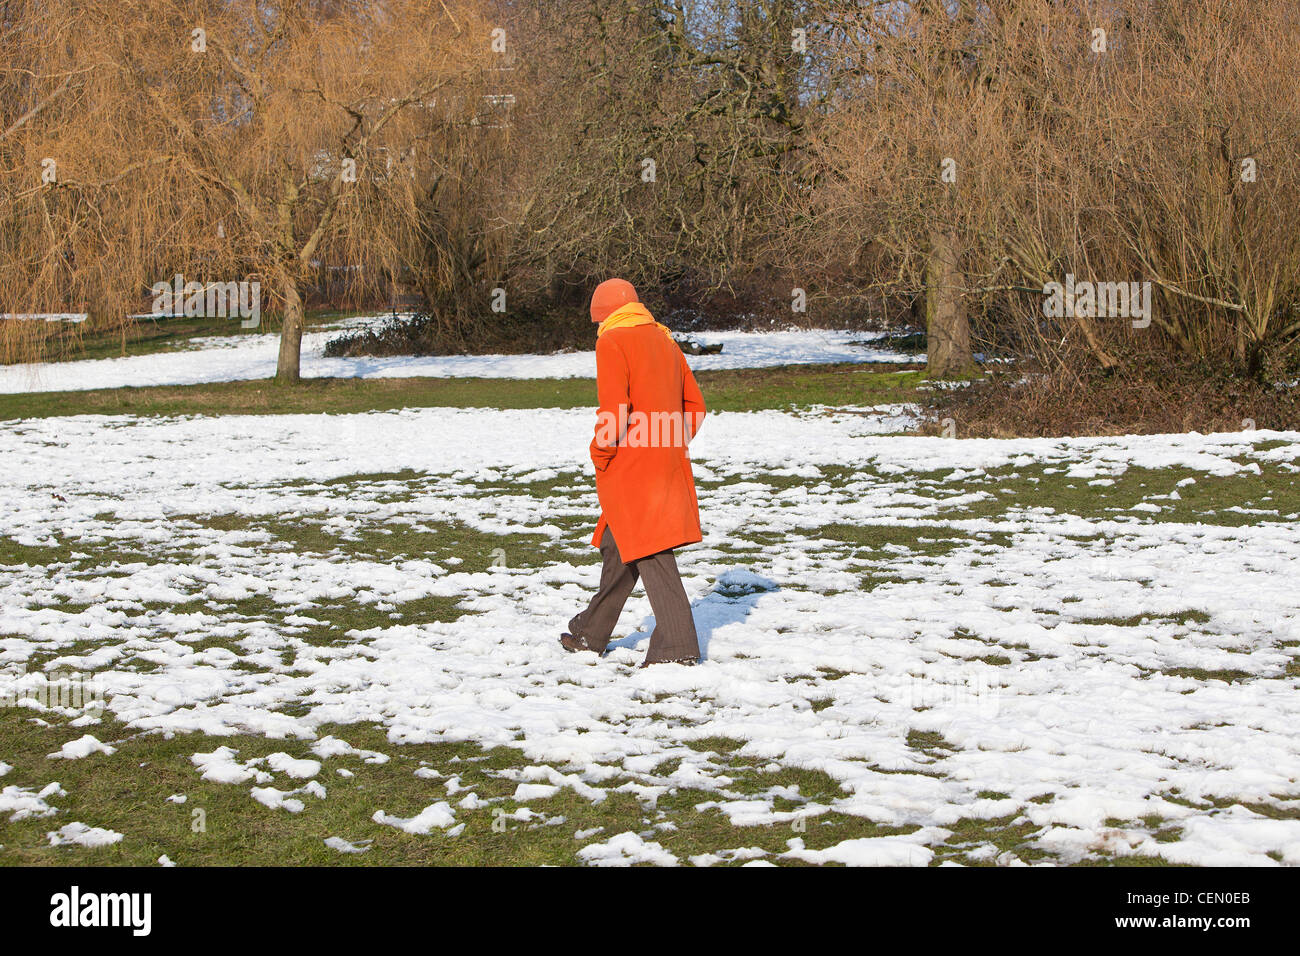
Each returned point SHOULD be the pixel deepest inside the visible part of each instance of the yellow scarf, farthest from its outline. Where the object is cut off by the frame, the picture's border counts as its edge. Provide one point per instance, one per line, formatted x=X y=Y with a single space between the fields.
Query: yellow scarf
x=625 y=316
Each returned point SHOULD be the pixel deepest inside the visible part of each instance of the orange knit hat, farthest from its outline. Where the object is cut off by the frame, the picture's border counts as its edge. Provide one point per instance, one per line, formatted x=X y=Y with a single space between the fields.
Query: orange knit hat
x=610 y=295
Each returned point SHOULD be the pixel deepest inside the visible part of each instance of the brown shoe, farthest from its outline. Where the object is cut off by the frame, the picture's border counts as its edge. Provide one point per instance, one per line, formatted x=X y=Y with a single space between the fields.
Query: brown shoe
x=573 y=644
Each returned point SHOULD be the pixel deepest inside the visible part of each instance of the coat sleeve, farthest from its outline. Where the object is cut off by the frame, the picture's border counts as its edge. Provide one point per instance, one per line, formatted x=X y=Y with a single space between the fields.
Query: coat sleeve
x=612 y=396
x=693 y=410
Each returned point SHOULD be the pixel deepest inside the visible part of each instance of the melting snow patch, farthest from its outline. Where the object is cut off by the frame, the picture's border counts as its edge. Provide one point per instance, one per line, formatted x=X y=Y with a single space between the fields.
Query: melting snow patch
x=81 y=747
x=625 y=849
x=21 y=803
x=82 y=835
x=905 y=850
x=1234 y=836
x=343 y=846
x=220 y=766
x=277 y=799
x=439 y=815
x=728 y=856
x=334 y=747
x=298 y=769
x=534 y=791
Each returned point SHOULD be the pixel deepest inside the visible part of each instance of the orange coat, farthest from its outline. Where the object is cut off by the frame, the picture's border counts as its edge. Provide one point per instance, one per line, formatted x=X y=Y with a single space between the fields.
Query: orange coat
x=650 y=407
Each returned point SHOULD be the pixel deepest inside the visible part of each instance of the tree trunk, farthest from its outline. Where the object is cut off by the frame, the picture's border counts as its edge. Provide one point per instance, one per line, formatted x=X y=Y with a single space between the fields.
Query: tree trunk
x=287 y=368
x=947 y=329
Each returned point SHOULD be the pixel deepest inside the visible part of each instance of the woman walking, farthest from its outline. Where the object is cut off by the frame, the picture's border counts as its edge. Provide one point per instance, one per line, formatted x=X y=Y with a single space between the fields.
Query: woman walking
x=650 y=409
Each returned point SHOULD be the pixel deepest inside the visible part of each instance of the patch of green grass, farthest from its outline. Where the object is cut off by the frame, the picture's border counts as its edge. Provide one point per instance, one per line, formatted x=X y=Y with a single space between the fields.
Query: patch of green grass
x=1201 y=674
x=929 y=742
x=14 y=553
x=1009 y=834
x=391 y=540
x=1190 y=616
x=726 y=390
x=802 y=385
x=720 y=745
x=1206 y=501
x=878 y=537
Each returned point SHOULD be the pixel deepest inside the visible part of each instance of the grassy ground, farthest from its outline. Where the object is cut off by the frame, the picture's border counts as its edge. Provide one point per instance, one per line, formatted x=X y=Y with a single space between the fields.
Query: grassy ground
x=218 y=823
x=730 y=390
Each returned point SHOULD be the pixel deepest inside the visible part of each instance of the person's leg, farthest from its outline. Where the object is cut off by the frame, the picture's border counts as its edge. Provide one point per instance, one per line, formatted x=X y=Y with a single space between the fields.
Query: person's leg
x=595 y=625
x=674 y=637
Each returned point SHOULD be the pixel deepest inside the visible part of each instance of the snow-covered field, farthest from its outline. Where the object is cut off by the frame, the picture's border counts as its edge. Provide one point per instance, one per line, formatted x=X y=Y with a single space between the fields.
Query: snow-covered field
x=1056 y=633
x=242 y=357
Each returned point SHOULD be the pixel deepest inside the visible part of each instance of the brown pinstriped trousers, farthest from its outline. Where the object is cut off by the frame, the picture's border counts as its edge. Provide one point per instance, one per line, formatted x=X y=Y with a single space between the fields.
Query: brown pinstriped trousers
x=674 y=634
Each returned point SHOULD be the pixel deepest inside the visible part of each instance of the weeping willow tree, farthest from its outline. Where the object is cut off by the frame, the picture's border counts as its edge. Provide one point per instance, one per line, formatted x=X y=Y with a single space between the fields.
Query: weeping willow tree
x=226 y=142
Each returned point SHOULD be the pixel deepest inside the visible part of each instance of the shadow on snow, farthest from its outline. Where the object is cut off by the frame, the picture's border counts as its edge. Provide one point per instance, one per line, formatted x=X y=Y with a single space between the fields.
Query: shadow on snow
x=729 y=601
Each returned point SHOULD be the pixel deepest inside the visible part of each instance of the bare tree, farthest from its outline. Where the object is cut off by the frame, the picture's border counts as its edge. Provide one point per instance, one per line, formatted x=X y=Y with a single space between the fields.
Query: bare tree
x=660 y=146
x=955 y=155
